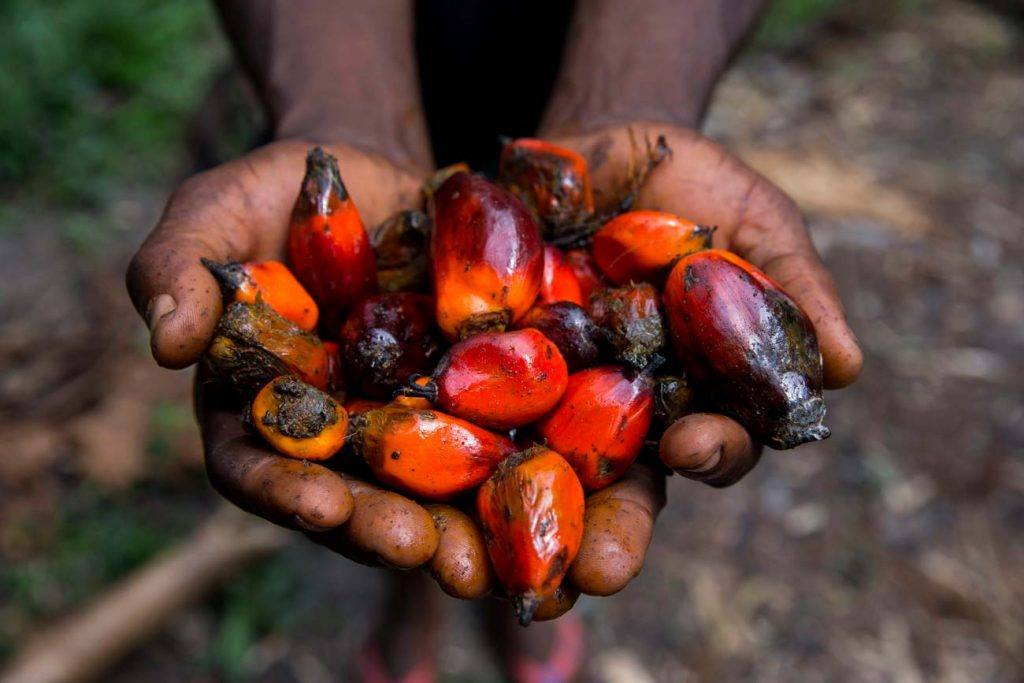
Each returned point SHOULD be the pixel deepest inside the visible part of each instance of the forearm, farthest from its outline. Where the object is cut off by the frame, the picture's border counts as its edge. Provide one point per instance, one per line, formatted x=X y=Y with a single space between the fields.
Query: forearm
x=645 y=60
x=335 y=71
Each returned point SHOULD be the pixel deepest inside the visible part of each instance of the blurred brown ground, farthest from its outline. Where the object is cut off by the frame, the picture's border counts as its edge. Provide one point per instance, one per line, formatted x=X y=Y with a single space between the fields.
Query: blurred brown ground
x=891 y=552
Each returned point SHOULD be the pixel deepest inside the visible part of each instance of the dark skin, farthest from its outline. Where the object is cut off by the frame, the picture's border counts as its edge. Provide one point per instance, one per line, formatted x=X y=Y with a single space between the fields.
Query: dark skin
x=639 y=69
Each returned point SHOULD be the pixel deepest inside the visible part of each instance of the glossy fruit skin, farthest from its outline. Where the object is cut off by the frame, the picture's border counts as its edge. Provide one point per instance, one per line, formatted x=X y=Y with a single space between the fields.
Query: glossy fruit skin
x=749 y=349
x=500 y=380
x=570 y=329
x=335 y=367
x=358 y=405
x=559 y=282
x=270 y=281
x=400 y=245
x=426 y=452
x=553 y=181
x=588 y=275
x=328 y=247
x=385 y=339
x=600 y=424
x=252 y=345
x=531 y=510
x=630 y=317
x=298 y=420
x=641 y=246
x=486 y=256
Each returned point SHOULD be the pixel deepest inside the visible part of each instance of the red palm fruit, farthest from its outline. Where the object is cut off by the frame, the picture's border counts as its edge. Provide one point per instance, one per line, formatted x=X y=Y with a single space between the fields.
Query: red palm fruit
x=499 y=380
x=587 y=273
x=631 y=322
x=600 y=424
x=335 y=367
x=559 y=282
x=400 y=245
x=425 y=452
x=253 y=344
x=385 y=339
x=437 y=178
x=569 y=328
x=531 y=510
x=270 y=281
x=551 y=180
x=486 y=255
x=327 y=245
x=641 y=246
x=747 y=346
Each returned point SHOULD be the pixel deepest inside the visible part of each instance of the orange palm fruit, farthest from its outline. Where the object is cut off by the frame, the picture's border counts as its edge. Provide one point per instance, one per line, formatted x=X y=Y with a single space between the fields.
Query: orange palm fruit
x=747 y=346
x=270 y=281
x=587 y=272
x=298 y=420
x=600 y=424
x=641 y=246
x=531 y=510
x=559 y=282
x=358 y=405
x=499 y=380
x=385 y=339
x=569 y=328
x=415 y=401
x=630 y=318
x=426 y=452
x=328 y=247
x=252 y=345
x=486 y=256
x=400 y=245
x=551 y=180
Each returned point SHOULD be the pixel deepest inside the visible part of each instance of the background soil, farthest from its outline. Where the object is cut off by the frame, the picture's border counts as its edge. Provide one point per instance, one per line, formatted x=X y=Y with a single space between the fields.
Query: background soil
x=890 y=552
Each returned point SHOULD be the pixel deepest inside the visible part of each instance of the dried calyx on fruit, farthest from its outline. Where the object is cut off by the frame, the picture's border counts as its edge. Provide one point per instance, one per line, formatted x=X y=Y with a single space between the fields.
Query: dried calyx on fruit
x=298 y=420
x=673 y=398
x=252 y=345
x=600 y=424
x=486 y=256
x=750 y=350
x=270 y=281
x=327 y=244
x=630 y=319
x=400 y=244
x=500 y=380
x=426 y=452
x=531 y=510
x=552 y=180
x=641 y=246
x=385 y=339
x=570 y=329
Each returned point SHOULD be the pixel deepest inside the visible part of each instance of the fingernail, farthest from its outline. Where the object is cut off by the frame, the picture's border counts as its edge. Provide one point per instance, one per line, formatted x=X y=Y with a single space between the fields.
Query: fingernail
x=159 y=308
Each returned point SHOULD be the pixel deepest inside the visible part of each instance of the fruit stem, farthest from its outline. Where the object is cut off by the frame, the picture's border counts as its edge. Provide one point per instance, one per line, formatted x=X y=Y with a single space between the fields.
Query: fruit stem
x=414 y=390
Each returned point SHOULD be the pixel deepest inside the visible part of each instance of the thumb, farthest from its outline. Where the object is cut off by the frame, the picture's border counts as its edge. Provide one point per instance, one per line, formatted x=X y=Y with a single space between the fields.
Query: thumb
x=237 y=211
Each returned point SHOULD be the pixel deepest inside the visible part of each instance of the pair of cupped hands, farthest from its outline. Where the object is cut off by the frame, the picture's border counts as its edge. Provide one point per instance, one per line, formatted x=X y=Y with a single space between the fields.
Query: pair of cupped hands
x=240 y=210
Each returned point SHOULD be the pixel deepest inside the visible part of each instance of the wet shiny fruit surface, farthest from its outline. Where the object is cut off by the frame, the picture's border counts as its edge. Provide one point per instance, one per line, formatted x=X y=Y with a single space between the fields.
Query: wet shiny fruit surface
x=750 y=350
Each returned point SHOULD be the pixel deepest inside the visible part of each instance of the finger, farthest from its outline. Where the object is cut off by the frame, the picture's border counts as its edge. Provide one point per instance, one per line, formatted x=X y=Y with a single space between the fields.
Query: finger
x=709 y=448
x=385 y=527
x=460 y=565
x=772 y=235
x=293 y=493
x=554 y=606
x=617 y=529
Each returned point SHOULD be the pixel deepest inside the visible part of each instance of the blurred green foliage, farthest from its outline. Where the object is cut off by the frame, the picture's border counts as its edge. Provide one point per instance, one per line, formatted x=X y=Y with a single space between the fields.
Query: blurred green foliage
x=96 y=92
x=786 y=22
